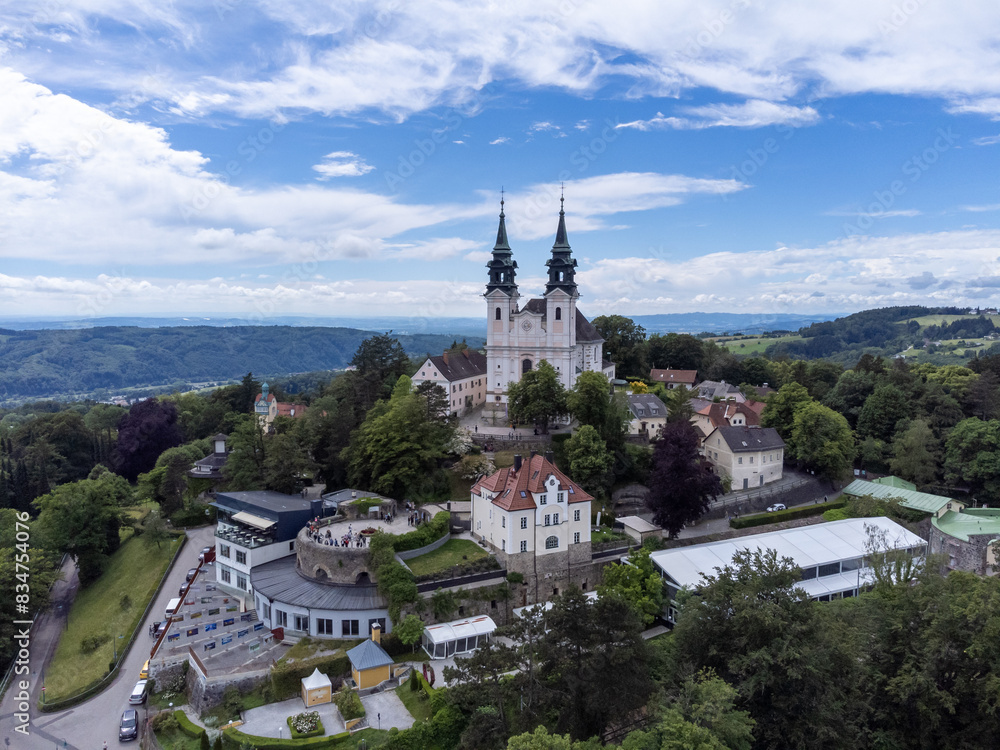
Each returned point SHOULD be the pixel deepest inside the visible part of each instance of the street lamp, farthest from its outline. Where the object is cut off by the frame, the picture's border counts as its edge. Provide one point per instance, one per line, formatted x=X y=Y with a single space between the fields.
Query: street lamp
x=114 y=646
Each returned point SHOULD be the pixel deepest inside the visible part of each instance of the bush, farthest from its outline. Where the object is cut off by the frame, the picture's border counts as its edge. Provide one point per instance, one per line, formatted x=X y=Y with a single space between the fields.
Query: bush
x=193 y=515
x=349 y=703
x=187 y=726
x=305 y=724
x=90 y=643
x=762 y=519
x=515 y=577
x=431 y=531
x=237 y=739
x=286 y=679
x=165 y=722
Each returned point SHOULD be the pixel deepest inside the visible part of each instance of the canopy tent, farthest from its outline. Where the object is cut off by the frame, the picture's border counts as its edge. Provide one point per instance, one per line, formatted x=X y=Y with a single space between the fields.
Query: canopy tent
x=251 y=520
x=316 y=688
x=457 y=637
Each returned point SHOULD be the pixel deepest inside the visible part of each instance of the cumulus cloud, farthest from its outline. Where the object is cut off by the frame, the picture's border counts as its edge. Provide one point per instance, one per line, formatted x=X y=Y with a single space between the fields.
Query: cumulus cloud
x=501 y=140
x=342 y=164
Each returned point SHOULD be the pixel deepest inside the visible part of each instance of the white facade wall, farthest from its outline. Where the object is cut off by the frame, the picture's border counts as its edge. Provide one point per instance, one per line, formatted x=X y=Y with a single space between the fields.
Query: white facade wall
x=747 y=469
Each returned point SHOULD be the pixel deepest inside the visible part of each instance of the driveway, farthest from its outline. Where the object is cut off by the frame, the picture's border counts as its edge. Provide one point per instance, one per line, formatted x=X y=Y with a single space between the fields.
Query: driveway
x=89 y=724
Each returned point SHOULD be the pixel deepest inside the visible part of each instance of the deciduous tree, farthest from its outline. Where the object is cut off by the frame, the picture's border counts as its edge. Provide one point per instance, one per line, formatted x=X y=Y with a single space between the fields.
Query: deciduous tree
x=823 y=441
x=149 y=428
x=538 y=397
x=589 y=460
x=682 y=484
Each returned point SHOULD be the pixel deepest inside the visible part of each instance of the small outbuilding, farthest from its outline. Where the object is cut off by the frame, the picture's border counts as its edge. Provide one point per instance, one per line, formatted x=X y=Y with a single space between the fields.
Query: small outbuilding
x=316 y=689
x=640 y=529
x=457 y=637
x=370 y=664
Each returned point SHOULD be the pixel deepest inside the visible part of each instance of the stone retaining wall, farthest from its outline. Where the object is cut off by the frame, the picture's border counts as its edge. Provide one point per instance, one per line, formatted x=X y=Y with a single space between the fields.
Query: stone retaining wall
x=333 y=564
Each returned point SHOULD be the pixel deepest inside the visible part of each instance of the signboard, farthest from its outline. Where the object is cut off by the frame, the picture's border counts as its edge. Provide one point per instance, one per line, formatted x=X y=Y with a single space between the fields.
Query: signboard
x=210 y=645
x=254 y=646
x=258 y=626
x=242 y=633
x=228 y=621
x=173 y=637
x=192 y=631
x=214 y=611
x=227 y=639
x=210 y=626
x=245 y=617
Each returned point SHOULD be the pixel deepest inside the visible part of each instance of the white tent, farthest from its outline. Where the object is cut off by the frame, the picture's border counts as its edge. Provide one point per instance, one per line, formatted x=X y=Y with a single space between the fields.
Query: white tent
x=457 y=637
x=316 y=688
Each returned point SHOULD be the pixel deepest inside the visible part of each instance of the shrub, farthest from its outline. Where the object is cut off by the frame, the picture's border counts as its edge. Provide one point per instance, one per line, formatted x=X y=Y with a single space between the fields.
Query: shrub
x=232 y=702
x=165 y=722
x=305 y=724
x=762 y=519
x=349 y=703
x=193 y=515
x=90 y=643
x=515 y=577
x=431 y=531
x=286 y=679
x=186 y=725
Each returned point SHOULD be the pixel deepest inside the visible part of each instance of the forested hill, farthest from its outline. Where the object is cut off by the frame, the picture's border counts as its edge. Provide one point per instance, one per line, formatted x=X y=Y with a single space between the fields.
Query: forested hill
x=38 y=364
x=885 y=331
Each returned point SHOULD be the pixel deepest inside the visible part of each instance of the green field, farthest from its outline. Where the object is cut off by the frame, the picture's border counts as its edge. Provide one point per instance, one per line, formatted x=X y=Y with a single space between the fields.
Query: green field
x=416 y=701
x=936 y=320
x=111 y=606
x=451 y=553
x=753 y=345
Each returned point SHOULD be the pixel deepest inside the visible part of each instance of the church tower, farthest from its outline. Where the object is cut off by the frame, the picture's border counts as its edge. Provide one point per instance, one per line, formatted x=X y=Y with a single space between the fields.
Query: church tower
x=560 y=297
x=501 y=305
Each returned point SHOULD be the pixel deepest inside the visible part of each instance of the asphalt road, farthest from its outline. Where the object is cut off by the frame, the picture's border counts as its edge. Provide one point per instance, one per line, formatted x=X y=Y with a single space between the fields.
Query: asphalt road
x=89 y=725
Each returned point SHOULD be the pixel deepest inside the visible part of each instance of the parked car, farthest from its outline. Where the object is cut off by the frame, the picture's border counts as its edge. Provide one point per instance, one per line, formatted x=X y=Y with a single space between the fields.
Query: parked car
x=776 y=507
x=128 y=729
x=182 y=589
x=207 y=555
x=191 y=574
x=138 y=696
x=144 y=672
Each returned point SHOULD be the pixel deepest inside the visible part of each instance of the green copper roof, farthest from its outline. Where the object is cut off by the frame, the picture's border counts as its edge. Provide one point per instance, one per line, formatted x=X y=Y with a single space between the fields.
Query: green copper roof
x=912 y=499
x=896 y=482
x=970 y=522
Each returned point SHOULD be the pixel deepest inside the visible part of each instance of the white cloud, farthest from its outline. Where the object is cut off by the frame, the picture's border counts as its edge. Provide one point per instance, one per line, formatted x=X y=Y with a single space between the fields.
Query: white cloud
x=342 y=164
x=856 y=273
x=500 y=140
x=751 y=114
x=353 y=57
x=987 y=140
x=982 y=208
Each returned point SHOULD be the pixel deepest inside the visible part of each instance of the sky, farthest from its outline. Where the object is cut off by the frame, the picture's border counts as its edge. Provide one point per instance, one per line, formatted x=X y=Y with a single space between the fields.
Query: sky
x=254 y=158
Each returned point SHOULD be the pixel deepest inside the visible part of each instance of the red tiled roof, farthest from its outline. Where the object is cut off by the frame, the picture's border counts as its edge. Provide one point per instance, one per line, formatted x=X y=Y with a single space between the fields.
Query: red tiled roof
x=285 y=410
x=673 y=376
x=720 y=414
x=516 y=490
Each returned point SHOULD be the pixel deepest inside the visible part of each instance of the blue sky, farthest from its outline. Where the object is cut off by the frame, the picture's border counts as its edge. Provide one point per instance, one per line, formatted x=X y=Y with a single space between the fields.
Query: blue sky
x=253 y=158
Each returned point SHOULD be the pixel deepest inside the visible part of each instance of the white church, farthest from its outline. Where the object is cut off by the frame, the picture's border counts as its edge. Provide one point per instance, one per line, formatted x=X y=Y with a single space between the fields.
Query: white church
x=551 y=328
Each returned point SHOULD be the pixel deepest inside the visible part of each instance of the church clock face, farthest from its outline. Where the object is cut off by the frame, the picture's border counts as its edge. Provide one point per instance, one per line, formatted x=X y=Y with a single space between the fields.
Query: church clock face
x=526 y=326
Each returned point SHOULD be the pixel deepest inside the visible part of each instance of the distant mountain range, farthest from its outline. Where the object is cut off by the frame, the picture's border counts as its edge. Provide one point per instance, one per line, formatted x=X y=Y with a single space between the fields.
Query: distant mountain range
x=696 y=322
x=99 y=361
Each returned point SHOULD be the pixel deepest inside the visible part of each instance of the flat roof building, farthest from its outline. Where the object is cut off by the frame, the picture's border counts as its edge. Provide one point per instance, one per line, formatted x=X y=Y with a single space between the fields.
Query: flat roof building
x=831 y=555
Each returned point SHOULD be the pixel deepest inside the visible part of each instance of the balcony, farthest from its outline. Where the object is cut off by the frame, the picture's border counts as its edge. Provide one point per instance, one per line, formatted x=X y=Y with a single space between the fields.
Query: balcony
x=247 y=537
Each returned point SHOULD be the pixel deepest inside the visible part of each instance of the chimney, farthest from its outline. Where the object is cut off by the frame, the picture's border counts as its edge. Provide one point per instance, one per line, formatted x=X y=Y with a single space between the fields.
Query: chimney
x=533 y=453
x=377 y=633
x=466 y=353
x=550 y=457
x=445 y=356
x=517 y=463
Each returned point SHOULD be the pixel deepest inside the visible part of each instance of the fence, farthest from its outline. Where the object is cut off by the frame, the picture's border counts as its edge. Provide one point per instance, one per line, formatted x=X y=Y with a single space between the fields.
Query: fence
x=499 y=575
x=803 y=490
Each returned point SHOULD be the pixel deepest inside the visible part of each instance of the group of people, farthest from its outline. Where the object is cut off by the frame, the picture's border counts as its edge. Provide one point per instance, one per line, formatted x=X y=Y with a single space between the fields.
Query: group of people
x=350 y=539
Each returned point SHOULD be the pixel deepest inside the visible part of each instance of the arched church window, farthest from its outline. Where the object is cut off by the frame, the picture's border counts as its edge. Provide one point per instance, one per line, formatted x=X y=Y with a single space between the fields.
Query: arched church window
x=558 y=313
x=498 y=314
x=525 y=366
x=552 y=542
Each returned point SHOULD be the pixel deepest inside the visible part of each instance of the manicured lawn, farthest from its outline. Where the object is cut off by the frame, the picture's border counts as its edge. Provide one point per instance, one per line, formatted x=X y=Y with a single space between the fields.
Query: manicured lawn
x=111 y=606
x=451 y=553
x=416 y=702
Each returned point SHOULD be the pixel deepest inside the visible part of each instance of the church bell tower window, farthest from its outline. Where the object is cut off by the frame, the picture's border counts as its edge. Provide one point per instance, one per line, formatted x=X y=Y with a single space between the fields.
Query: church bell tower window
x=498 y=314
x=558 y=313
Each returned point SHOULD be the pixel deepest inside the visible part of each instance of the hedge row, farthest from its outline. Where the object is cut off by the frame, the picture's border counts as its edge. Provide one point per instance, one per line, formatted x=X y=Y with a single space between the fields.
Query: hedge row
x=187 y=726
x=286 y=678
x=431 y=531
x=236 y=739
x=805 y=511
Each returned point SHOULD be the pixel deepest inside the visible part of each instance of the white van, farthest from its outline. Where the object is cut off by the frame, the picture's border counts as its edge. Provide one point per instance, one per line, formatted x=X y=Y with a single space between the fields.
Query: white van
x=172 y=606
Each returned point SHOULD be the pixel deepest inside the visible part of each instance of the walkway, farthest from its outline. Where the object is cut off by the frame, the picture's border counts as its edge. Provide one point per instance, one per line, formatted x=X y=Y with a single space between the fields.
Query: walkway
x=270 y=720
